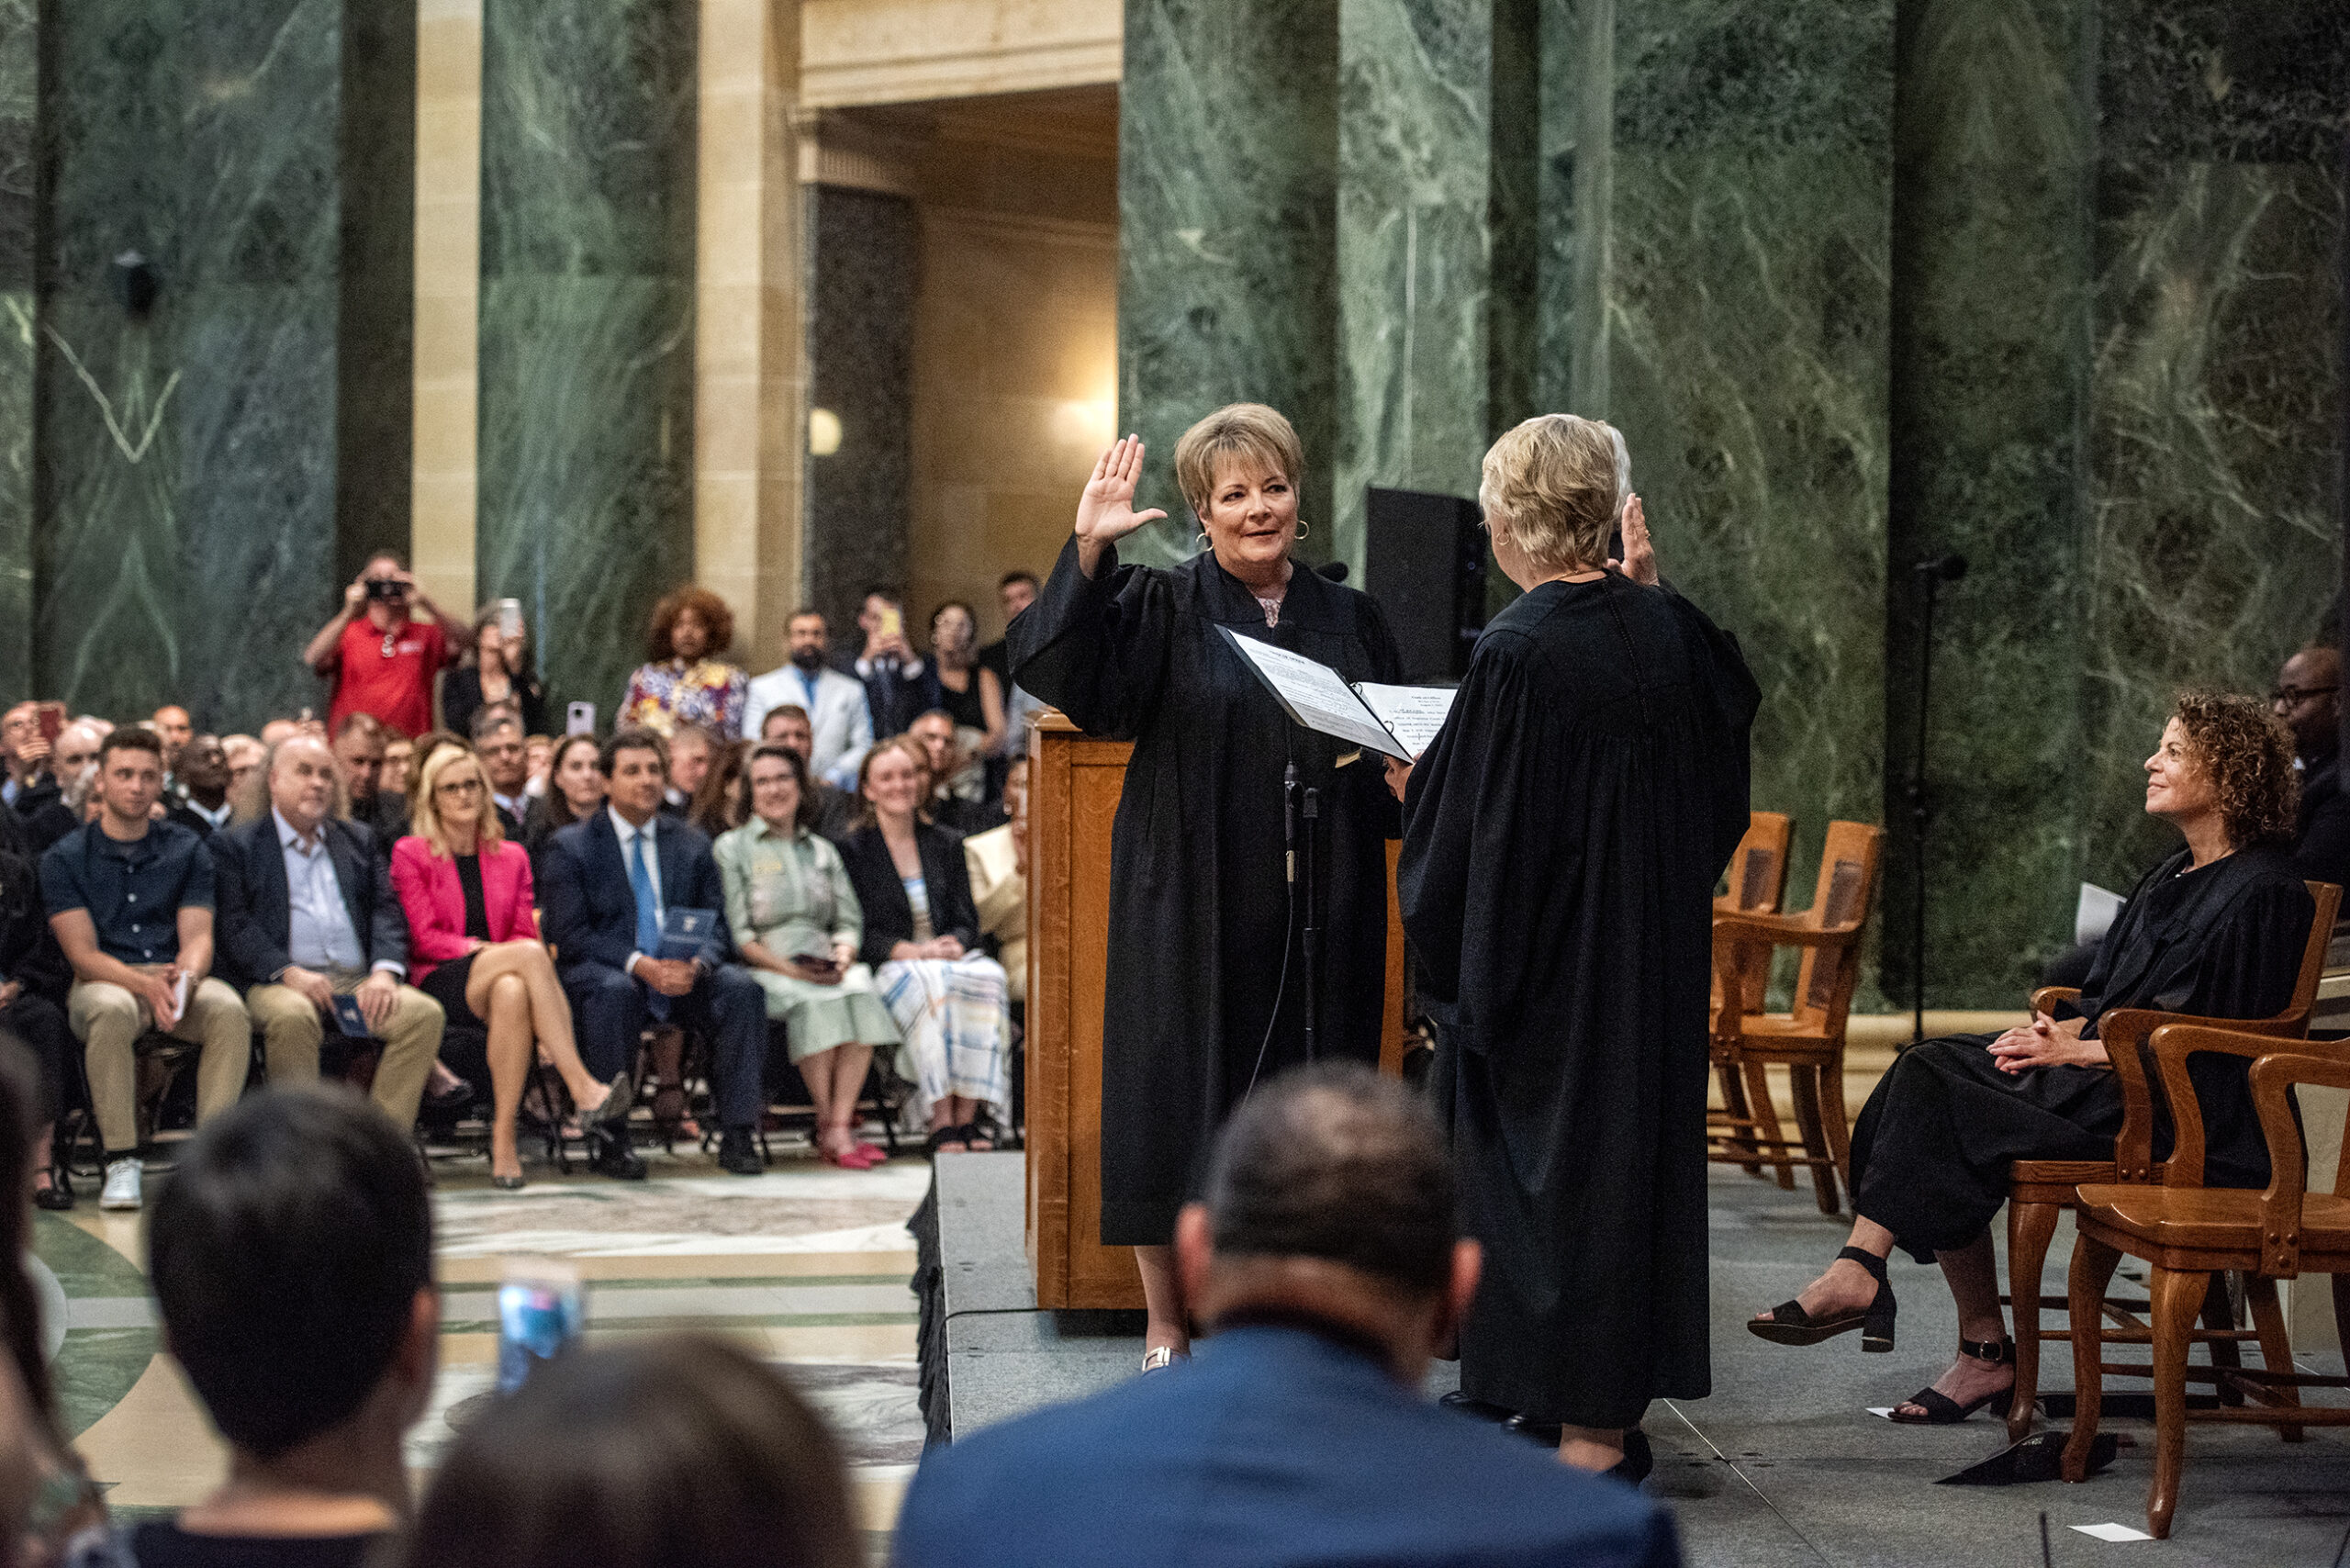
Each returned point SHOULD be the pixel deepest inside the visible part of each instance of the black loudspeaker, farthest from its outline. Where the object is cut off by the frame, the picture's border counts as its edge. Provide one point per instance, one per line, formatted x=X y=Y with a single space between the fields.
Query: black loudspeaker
x=1426 y=569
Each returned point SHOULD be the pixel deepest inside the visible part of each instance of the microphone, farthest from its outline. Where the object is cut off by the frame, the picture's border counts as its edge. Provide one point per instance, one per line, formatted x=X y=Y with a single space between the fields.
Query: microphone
x=1944 y=568
x=1334 y=570
x=1289 y=826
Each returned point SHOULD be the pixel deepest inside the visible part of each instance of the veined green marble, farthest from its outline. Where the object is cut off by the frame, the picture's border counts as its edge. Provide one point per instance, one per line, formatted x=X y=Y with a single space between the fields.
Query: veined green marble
x=1228 y=197
x=20 y=77
x=587 y=325
x=1415 y=197
x=1732 y=239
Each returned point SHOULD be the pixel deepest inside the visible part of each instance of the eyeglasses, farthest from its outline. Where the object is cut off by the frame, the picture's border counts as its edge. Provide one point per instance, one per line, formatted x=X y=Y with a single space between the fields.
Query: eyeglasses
x=459 y=786
x=2294 y=696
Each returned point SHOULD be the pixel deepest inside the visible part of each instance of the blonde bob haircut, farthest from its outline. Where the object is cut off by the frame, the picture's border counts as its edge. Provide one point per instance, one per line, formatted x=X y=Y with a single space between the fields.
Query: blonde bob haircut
x=424 y=805
x=1250 y=433
x=1559 y=480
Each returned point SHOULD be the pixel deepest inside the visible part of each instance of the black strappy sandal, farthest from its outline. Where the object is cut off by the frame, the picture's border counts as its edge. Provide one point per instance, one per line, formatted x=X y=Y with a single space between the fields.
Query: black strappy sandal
x=1942 y=1410
x=1790 y=1324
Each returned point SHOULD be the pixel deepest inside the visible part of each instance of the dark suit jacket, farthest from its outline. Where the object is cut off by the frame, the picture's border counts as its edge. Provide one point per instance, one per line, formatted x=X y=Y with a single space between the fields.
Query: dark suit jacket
x=889 y=918
x=182 y=813
x=1277 y=1446
x=29 y=949
x=2321 y=832
x=254 y=913
x=586 y=909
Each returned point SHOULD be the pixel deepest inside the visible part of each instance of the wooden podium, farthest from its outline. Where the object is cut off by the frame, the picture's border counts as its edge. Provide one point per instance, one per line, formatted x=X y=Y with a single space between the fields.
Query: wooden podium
x=1073 y=787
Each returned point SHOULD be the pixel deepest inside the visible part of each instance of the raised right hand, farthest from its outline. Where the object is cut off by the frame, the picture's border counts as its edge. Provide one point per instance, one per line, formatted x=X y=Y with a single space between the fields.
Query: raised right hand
x=1105 y=513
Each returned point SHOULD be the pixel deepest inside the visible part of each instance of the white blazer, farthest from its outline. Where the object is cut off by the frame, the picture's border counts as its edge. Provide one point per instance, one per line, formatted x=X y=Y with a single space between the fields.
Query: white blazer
x=843 y=723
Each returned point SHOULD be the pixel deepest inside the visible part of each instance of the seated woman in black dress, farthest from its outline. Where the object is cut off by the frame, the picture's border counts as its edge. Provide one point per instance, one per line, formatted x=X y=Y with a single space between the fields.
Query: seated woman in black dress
x=2216 y=930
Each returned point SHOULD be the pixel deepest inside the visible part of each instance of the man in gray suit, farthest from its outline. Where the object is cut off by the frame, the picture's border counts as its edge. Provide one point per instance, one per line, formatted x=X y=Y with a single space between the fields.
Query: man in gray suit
x=835 y=703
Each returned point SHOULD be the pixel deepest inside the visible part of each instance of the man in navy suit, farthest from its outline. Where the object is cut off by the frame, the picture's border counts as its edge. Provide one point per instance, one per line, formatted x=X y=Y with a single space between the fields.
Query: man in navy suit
x=306 y=913
x=608 y=881
x=1327 y=1260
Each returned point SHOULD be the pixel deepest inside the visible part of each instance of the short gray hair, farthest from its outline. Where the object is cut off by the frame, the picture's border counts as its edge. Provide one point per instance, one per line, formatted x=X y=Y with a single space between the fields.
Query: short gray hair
x=1560 y=480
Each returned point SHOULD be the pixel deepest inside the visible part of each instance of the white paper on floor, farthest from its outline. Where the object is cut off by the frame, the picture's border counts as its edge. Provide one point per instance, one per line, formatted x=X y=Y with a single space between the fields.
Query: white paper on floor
x=2113 y=1532
x=1884 y=1410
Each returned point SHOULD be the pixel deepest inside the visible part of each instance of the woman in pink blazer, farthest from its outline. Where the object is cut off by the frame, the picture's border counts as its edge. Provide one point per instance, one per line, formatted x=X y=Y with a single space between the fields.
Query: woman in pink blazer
x=474 y=947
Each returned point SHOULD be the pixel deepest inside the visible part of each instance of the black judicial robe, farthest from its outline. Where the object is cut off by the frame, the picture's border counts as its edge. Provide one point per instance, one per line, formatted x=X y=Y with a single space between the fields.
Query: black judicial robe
x=1931 y=1147
x=1198 y=904
x=1562 y=837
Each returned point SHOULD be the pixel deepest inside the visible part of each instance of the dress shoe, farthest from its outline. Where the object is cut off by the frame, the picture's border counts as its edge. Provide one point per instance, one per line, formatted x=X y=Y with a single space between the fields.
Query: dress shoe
x=613 y=1156
x=738 y=1153
x=58 y=1196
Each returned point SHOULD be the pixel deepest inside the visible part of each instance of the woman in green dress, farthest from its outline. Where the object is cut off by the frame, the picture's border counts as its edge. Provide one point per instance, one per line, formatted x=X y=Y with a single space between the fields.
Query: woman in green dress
x=797 y=927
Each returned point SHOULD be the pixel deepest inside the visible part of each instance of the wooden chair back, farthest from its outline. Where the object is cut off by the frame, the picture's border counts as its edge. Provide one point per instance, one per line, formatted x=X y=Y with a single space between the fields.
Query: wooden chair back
x=1758 y=872
x=1848 y=867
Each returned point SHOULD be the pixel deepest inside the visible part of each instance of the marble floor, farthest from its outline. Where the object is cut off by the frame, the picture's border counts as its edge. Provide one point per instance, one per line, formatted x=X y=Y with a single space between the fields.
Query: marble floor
x=807 y=1265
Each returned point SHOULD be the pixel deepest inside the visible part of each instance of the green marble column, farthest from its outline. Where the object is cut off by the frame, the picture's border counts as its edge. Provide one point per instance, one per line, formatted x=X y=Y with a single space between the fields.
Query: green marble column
x=1725 y=270
x=1227 y=214
x=185 y=458
x=19 y=78
x=587 y=337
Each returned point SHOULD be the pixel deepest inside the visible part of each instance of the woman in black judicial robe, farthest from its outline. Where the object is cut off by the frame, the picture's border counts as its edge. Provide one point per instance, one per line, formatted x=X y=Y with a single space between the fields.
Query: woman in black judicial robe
x=1564 y=834
x=2216 y=931
x=1201 y=944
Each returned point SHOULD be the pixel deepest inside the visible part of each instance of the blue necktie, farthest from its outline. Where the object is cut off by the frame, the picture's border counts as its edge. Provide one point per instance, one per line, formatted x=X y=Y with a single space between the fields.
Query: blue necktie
x=648 y=921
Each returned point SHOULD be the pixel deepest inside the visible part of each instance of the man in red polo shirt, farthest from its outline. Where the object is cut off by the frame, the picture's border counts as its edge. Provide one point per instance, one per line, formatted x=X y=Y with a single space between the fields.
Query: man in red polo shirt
x=381 y=660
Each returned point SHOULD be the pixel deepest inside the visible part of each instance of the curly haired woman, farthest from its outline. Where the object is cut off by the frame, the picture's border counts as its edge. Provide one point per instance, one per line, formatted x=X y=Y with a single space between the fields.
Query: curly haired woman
x=2216 y=930
x=683 y=680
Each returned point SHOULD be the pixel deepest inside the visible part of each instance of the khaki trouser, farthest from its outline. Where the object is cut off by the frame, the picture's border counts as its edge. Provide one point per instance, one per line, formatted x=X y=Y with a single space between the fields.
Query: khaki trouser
x=292 y=1031
x=108 y=1020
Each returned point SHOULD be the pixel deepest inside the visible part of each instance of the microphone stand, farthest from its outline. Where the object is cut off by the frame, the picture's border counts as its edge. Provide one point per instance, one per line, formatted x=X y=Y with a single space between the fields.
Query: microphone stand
x=1299 y=801
x=1931 y=575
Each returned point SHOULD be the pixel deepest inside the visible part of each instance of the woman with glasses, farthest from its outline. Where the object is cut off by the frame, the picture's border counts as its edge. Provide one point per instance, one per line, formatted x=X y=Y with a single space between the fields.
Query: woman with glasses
x=474 y=947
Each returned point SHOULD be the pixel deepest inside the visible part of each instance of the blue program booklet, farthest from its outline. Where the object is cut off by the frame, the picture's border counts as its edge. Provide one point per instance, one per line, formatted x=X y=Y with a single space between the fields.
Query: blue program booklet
x=686 y=933
x=348 y=1016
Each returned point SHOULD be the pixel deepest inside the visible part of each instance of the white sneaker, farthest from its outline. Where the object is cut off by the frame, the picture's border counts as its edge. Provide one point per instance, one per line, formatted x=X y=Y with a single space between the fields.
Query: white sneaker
x=123 y=1183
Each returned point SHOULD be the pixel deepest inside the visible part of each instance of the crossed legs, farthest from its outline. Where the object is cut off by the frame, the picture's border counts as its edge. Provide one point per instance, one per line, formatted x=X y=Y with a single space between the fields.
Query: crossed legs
x=512 y=988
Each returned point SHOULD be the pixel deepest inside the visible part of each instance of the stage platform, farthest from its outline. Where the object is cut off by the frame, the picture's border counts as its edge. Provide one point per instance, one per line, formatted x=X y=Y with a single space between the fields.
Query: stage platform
x=1783 y=1465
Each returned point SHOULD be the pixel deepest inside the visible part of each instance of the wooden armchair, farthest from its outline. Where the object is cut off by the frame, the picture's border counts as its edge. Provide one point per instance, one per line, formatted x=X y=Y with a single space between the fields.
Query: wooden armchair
x=1808 y=1039
x=2040 y=1190
x=2189 y=1234
x=1758 y=881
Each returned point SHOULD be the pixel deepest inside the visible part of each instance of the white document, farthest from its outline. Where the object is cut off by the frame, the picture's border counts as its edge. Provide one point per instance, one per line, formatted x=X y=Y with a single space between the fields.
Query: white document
x=1315 y=695
x=1412 y=714
x=2113 y=1532
x=2096 y=913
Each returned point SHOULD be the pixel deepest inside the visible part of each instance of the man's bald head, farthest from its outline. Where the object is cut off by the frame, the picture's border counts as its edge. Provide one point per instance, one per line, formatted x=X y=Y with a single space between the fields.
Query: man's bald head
x=302 y=780
x=2308 y=698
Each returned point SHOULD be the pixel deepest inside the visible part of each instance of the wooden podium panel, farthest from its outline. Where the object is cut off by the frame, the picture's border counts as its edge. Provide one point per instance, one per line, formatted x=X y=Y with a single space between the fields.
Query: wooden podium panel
x=1074 y=783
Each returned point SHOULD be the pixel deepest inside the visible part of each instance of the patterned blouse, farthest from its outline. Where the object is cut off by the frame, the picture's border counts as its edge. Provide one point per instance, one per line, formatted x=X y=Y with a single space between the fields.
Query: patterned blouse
x=791 y=895
x=662 y=697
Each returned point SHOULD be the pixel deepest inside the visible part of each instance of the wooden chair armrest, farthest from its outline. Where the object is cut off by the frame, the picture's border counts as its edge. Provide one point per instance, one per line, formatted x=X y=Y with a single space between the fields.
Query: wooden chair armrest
x=1783 y=931
x=2125 y=1032
x=2280 y=1205
x=2174 y=1042
x=2045 y=998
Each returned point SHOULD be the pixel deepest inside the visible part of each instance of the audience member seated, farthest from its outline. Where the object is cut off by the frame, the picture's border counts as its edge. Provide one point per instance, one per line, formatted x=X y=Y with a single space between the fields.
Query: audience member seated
x=837 y=811
x=663 y=1453
x=493 y=670
x=75 y=765
x=840 y=722
x=131 y=900
x=691 y=750
x=718 y=804
x=1014 y=592
x=203 y=805
x=683 y=679
x=245 y=754
x=611 y=880
x=29 y=784
x=998 y=861
x=899 y=688
x=922 y=935
x=380 y=657
x=313 y=1388
x=360 y=745
x=2217 y=931
x=505 y=763
x=400 y=754
x=174 y=728
x=306 y=913
x=1326 y=1262
x=466 y=890
x=953 y=771
x=33 y=981
x=969 y=692
x=798 y=926
x=575 y=788
x=2308 y=698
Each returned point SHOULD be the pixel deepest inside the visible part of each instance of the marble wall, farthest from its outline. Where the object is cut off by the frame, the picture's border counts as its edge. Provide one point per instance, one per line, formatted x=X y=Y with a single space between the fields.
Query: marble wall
x=864 y=262
x=19 y=79
x=586 y=326
x=185 y=458
x=1227 y=206
x=375 y=402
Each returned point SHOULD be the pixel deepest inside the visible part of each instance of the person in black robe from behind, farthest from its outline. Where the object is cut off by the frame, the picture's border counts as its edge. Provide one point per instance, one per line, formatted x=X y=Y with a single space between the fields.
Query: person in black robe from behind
x=2216 y=931
x=1564 y=834
x=1205 y=987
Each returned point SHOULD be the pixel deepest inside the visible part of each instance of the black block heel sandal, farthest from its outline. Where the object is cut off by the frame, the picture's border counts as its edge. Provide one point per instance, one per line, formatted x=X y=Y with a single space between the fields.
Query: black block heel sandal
x=1942 y=1410
x=1790 y=1324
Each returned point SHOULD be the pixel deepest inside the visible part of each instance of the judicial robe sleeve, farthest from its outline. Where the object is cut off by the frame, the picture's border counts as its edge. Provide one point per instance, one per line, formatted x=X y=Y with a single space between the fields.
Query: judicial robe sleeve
x=1095 y=647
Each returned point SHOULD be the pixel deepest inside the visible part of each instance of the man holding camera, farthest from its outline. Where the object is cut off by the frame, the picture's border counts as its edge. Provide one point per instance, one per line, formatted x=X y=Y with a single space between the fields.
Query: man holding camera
x=381 y=659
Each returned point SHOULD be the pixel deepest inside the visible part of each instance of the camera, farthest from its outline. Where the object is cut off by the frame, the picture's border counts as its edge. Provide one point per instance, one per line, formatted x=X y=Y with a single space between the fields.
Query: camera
x=386 y=588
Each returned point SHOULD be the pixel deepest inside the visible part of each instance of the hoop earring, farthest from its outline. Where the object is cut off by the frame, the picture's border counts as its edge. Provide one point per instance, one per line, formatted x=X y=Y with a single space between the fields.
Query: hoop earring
x=1202 y=539
x=1303 y=529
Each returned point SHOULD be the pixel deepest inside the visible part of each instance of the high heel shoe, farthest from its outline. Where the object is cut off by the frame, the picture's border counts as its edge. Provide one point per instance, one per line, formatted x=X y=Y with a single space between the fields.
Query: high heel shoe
x=616 y=1103
x=1790 y=1324
x=1942 y=1410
